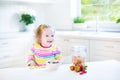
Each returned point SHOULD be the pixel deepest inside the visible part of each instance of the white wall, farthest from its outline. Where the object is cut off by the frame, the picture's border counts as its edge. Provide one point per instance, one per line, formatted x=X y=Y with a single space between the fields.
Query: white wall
x=8 y=19
x=59 y=15
x=9 y=16
x=56 y=14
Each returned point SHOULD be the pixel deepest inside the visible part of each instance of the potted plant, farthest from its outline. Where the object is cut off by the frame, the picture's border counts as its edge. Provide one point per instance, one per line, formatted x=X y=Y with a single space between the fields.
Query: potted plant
x=118 y=20
x=79 y=23
x=27 y=20
x=79 y=20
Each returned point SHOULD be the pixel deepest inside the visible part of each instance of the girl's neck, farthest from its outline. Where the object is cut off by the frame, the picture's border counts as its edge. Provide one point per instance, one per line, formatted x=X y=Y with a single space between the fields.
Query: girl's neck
x=44 y=46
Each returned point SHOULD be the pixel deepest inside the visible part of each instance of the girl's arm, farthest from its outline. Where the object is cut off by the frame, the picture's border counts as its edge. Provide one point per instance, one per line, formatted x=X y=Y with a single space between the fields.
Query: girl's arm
x=31 y=58
x=57 y=54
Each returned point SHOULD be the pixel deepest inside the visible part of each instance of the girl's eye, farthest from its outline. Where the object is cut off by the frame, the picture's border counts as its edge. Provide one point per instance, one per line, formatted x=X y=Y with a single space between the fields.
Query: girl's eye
x=52 y=35
x=46 y=35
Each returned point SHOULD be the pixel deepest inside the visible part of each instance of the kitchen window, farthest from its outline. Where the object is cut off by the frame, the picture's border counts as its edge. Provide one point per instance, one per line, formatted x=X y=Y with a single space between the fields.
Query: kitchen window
x=100 y=15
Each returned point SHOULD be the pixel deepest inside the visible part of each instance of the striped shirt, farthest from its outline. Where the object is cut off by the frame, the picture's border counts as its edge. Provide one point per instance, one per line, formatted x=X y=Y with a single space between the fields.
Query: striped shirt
x=41 y=55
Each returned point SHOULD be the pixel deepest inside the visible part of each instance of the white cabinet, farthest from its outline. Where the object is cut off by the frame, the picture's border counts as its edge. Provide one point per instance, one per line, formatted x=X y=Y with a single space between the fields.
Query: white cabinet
x=99 y=47
x=104 y=50
x=13 y=51
x=65 y=44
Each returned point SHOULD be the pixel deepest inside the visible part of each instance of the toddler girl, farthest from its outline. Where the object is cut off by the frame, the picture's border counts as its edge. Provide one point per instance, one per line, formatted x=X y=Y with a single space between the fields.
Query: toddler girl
x=43 y=50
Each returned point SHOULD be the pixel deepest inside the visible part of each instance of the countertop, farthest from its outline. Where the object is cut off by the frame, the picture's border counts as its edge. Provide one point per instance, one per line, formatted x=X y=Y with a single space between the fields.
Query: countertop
x=15 y=34
x=89 y=35
x=111 y=36
x=102 y=70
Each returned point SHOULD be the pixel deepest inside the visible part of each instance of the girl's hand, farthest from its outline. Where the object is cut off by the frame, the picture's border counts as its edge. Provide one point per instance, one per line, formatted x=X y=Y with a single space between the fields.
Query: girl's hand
x=56 y=61
x=32 y=63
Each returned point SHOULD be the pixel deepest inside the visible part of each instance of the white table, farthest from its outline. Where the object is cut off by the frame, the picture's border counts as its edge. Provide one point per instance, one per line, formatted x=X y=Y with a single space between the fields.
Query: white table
x=104 y=70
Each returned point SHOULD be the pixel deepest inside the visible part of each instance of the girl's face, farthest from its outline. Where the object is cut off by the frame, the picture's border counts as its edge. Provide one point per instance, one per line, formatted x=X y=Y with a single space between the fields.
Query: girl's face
x=47 y=37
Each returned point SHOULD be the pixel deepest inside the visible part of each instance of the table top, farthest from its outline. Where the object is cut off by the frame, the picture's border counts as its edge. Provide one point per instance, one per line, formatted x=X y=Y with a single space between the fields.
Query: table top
x=100 y=70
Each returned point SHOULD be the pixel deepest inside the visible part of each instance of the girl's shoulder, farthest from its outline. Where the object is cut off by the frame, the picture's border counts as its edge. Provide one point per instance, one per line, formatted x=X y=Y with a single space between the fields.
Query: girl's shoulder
x=36 y=45
x=53 y=47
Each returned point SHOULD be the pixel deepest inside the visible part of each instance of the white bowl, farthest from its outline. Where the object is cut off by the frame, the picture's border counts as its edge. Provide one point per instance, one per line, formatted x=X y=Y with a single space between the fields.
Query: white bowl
x=53 y=66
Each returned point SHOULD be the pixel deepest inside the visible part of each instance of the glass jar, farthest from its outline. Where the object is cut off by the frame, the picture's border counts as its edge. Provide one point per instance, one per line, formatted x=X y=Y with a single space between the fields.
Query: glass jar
x=79 y=50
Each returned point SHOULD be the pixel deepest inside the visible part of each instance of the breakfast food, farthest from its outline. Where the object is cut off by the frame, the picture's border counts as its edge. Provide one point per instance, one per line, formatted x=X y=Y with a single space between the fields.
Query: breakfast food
x=78 y=65
x=72 y=68
x=53 y=62
x=53 y=65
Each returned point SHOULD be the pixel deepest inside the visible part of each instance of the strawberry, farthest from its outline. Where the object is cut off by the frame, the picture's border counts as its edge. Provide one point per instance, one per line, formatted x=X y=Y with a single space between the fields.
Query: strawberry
x=83 y=72
x=81 y=68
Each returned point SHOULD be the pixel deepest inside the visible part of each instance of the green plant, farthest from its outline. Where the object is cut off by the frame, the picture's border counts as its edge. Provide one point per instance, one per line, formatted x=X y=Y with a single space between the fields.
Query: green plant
x=118 y=20
x=27 y=19
x=79 y=20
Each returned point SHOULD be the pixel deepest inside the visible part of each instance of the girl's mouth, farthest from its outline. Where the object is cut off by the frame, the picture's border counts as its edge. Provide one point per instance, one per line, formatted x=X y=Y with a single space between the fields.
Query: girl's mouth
x=49 y=41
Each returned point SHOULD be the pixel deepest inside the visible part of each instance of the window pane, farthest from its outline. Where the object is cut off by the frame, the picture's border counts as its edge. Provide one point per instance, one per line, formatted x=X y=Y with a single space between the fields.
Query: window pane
x=106 y=9
x=101 y=13
x=114 y=12
x=114 y=2
x=90 y=11
x=100 y=2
